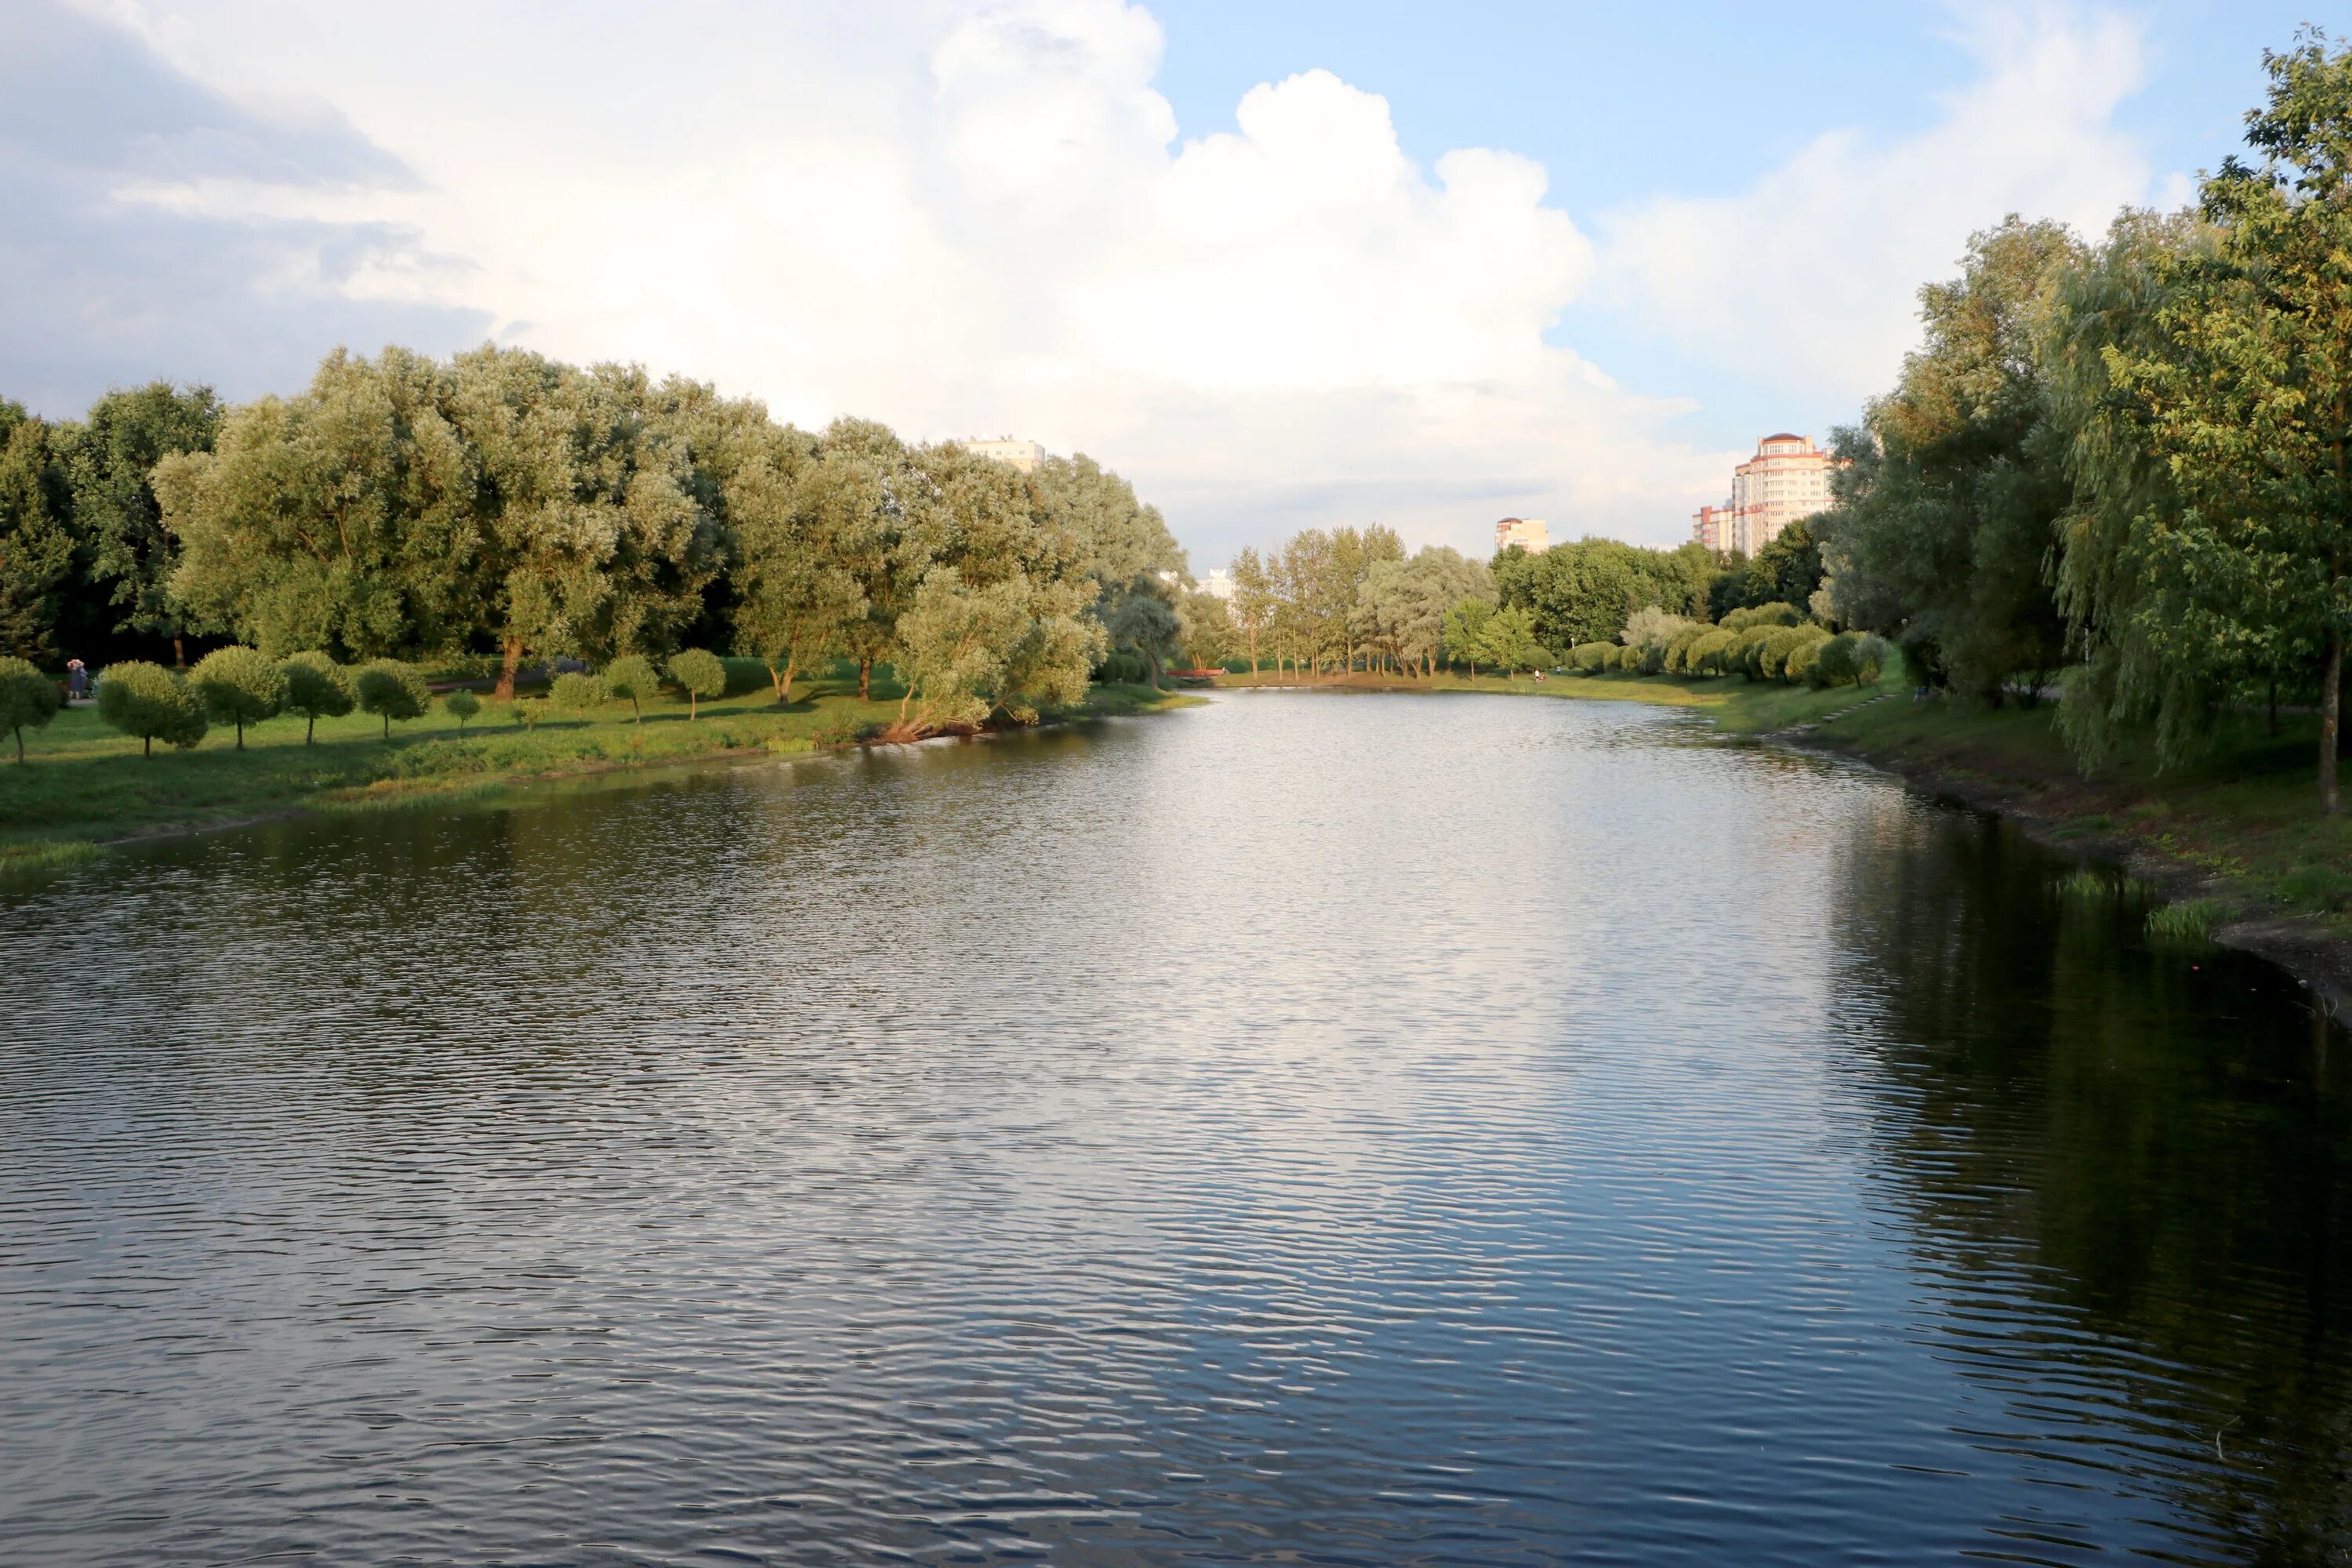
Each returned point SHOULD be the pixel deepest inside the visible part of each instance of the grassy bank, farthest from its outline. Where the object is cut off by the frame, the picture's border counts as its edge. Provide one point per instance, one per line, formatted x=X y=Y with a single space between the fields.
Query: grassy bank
x=2239 y=827
x=85 y=785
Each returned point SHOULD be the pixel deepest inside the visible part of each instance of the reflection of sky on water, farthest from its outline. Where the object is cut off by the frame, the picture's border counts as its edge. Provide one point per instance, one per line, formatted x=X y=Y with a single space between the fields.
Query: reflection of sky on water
x=1374 y=1128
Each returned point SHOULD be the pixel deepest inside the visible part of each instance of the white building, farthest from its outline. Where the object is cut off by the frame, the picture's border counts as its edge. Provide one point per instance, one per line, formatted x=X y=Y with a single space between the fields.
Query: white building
x=1218 y=585
x=1527 y=533
x=1787 y=480
x=1022 y=455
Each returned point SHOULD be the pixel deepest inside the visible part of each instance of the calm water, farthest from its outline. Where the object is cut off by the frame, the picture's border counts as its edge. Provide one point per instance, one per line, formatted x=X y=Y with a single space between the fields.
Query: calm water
x=1304 y=1130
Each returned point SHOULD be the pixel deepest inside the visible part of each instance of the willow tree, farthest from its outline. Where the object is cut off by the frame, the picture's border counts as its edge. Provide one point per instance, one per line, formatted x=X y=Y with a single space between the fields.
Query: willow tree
x=339 y=519
x=794 y=596
x=2208 y=372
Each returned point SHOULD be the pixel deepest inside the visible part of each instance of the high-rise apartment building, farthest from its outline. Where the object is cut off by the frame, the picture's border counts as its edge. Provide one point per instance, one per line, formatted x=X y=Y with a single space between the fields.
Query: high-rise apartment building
x=1218 y=583
x=1527 y=533
x=1022 y=455
x=1787 y=479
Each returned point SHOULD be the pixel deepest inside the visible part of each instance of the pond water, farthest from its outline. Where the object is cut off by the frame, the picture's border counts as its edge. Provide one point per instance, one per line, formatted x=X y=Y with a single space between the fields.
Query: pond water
x=1299 y=1130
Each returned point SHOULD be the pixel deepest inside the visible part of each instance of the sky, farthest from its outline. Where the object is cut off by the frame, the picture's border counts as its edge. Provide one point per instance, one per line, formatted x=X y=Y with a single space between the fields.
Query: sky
x=1282 y=264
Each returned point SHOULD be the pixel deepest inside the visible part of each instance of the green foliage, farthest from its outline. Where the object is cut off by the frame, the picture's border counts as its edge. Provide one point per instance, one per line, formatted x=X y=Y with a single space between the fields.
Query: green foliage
x=317 y=687
x=109 y=462
x=2191 y=921
x=462 y=706
x=1509 y=640
x=1465 y=631
x=1706 y=654
x=1849 y=658
x=1592 y=656
x=28 y=699
x=1803 y=660
x=151 y=704
x=1788 y=570
x=37 y=551
x=240 y=686
x=1587 y=592
x=700 y=673
x=1773 y=613
x=393 y=689
x=632 y=679
x=575 y=692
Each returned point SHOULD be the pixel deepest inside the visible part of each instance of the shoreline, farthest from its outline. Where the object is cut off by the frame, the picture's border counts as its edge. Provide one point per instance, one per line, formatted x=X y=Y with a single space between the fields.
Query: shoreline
x=32 y=855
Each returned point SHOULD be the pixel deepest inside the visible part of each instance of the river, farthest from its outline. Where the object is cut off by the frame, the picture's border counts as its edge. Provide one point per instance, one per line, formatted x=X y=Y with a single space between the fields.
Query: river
x=1303 y=1129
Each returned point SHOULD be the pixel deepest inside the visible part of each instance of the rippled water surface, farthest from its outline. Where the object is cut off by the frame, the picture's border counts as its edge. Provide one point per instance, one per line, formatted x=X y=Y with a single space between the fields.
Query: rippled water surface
x=1301 y=1130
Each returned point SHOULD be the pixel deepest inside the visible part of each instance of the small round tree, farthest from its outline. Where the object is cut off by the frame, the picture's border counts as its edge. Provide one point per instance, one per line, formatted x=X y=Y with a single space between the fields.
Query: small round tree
x=462 y=706
x=700 y=671
x=578 y=693
x=28 y=698
x=394 y=690
x=239 y=686
x=318 y=688
x=150 y=702
x=632 y=675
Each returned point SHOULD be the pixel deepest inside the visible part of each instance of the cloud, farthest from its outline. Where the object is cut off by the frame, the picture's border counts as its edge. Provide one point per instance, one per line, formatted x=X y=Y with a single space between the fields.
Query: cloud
x=115 y=272
x=1811 y=276
x=977 y=219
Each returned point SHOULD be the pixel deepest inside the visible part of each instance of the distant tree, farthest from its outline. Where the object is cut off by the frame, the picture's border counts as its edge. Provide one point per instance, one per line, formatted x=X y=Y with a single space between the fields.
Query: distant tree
x=1465 y=631
x=37 y=551
x=27 y=700
x=392 y=689
x=240 y=686
x=462 y=706
x=1254 y=601
x=152 y=703
x=110 y=461
x=1509 y=640
x=318 y=688
x=1205 y=629
x=1141 y=617
x=700 y=673
x=631 y=678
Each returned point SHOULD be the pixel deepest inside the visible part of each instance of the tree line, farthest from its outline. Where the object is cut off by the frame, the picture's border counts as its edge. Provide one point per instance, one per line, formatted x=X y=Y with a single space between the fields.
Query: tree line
x=505 y=506
x=2125 y=466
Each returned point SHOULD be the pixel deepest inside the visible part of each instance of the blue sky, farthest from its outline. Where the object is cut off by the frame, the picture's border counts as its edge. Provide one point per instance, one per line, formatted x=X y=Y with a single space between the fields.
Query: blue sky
x=1283 y=265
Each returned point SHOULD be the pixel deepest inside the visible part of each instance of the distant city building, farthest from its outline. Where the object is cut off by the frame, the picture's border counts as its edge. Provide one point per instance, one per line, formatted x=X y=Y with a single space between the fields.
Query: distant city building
x=1788 y=479
x=1218 y=583
x=1022 y=455
x=1527 y=533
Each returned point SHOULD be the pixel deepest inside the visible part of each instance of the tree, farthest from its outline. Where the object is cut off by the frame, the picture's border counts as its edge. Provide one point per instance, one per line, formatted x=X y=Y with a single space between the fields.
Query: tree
x=1254 y=600
x=393 y=689
x=1585 y=592
x=793 y=512
x=700 y=671
x=150 y=702
x=36 y=553
x=462 y=706
x=1204 y=628
x=239 y=686
x=2206 y=372
x=1509 y=640
x=1465 y=631
x=342 y=519
x=27 y=700
x=631 y=677
x=317 y=687
x=576 y=692
x=1143 y=617
x=1947 y=513
x=951 y=648
x=109 y=460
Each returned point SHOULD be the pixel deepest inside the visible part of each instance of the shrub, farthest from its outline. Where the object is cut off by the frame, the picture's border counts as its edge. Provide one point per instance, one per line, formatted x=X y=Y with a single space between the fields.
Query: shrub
x=240 y=686
x=1871 y=654
x=1772 y=652
x=393 y=690
x=1744 y=655
x=1678 y=646
x=1835 y=665
x=701 y=674
x=150 y=702
x=1706 y=654
x=1776 y=614
x=26 y=698
x=462 y=706
x=318 y=688
x=632 y=675
x=1590 y=657
x=578 y=693
x=1801 y=659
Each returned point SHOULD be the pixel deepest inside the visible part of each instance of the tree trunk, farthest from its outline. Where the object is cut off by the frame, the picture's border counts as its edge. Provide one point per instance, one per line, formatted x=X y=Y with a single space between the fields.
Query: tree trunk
x=20 y=745
x=179 y=653
x=865 y=681
x=387 y=723
x=1151 y=667
x=240 y=734
x=146 y=745
x=509 y=659
x=2331 y=693
x=310 y=728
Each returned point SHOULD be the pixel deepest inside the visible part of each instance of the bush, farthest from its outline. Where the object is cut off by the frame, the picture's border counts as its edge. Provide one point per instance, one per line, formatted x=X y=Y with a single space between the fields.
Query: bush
x=1745 y=655
x=462 y=706
x=26 y=698
x=317 y=687
x=1773 y=615
x=632 y=675
x=1678 y=646
x=1871 y=656
x=150 y=702
x=579 y=693
x=1592 y=656
x=240 y=686
x=394 y=690
x=1707 y=652
x=701 y=674
x=1801 y=659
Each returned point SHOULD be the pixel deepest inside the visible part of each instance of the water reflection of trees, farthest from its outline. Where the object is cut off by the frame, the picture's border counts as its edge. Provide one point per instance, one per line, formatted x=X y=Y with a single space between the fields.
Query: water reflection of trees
x=2137 y=1163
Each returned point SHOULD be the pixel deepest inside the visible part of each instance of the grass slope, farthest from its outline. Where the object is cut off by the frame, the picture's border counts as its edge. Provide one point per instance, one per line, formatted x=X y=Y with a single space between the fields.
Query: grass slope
x=84 y=784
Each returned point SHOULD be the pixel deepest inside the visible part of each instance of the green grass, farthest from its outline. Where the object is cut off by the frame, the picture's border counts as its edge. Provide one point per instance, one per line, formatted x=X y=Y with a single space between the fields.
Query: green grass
x=2191 y=921
x=83 y=784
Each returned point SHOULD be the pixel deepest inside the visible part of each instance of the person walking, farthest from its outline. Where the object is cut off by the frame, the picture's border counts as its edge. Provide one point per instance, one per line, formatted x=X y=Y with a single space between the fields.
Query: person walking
x=77 y=681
